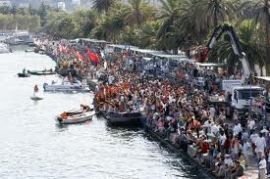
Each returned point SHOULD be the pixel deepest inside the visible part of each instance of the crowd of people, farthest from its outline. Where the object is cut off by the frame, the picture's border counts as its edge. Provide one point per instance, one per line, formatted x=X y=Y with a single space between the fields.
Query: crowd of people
x=177 y=108
x=182 y=114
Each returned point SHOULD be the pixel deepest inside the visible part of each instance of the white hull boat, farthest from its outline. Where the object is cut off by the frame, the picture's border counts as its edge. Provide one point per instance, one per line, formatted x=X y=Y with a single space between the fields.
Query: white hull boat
x=66 y=87
x=36 y=97
x=76 y=118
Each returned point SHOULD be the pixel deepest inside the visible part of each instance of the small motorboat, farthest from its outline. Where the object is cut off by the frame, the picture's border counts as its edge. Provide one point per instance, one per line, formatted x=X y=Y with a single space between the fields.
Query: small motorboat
x=29 y=50
x=69 y=118
x=66 y=86
x=23 y=75
x=124 y=118
x=36 y=98
x=42 y=72
x=83 y=114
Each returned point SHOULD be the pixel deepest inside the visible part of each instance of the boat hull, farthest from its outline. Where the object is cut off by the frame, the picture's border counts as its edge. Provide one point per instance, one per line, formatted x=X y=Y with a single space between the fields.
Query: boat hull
x=65 y=88
x=40 y=73
x=36 y=98
x=23 y=75
x=76 y=119
x=124 y=119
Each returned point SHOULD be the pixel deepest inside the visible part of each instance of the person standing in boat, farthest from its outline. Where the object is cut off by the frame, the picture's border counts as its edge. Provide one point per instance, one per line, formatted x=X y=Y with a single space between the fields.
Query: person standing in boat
x=35 y=90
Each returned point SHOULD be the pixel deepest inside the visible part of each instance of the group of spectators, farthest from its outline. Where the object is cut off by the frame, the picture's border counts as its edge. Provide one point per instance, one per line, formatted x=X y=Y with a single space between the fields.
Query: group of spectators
x=182 y=114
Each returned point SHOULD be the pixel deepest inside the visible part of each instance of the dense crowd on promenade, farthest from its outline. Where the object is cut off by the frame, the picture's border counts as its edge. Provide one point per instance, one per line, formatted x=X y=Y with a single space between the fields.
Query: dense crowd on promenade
x=73 y=58
x=178 y=110
x=182 y=114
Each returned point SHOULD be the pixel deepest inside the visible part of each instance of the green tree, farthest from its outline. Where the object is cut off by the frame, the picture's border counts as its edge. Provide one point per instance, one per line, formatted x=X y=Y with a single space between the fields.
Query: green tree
x=43 y=14
x=60 y=25
x=13 y=10
x=85 y=21
x=262 y=19
x=5 y=9
x=111 y=26
x=214 y=12
x=170 y=12
x=223 y=52
x=103 y=5
x=30 y=10
x=139 y=12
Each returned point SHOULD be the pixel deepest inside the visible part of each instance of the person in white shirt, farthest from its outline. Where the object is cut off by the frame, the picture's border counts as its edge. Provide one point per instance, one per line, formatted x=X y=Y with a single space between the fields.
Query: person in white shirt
x=222 y=139
x=251 y=124
x=247 y=151
x=262 y=168
x=260 y=145
x=212 y=112
x=237 y=129
x=253 y=137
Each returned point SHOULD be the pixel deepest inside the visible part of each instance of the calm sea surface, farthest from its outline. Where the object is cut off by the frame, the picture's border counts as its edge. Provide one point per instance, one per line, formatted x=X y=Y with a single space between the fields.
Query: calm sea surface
x=33 y=146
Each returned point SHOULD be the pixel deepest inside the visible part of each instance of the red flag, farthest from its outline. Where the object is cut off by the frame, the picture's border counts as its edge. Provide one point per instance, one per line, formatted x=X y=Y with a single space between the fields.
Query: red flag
x=79 y=56
x=93 y=56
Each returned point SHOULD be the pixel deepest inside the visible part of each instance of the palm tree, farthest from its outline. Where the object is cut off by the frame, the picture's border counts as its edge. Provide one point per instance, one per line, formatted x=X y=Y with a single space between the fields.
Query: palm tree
x=103 y=5
x=189 y=23
x=262 y=18
x=223 y=52
x=110 y=27
x=170 y=12
x=147 y=34
x=139 y=11
x=214 y=12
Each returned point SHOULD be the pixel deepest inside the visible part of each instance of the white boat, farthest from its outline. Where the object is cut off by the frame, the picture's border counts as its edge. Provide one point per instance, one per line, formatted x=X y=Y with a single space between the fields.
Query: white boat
x=75 y=118
x=36 y=97
x=66 y=86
